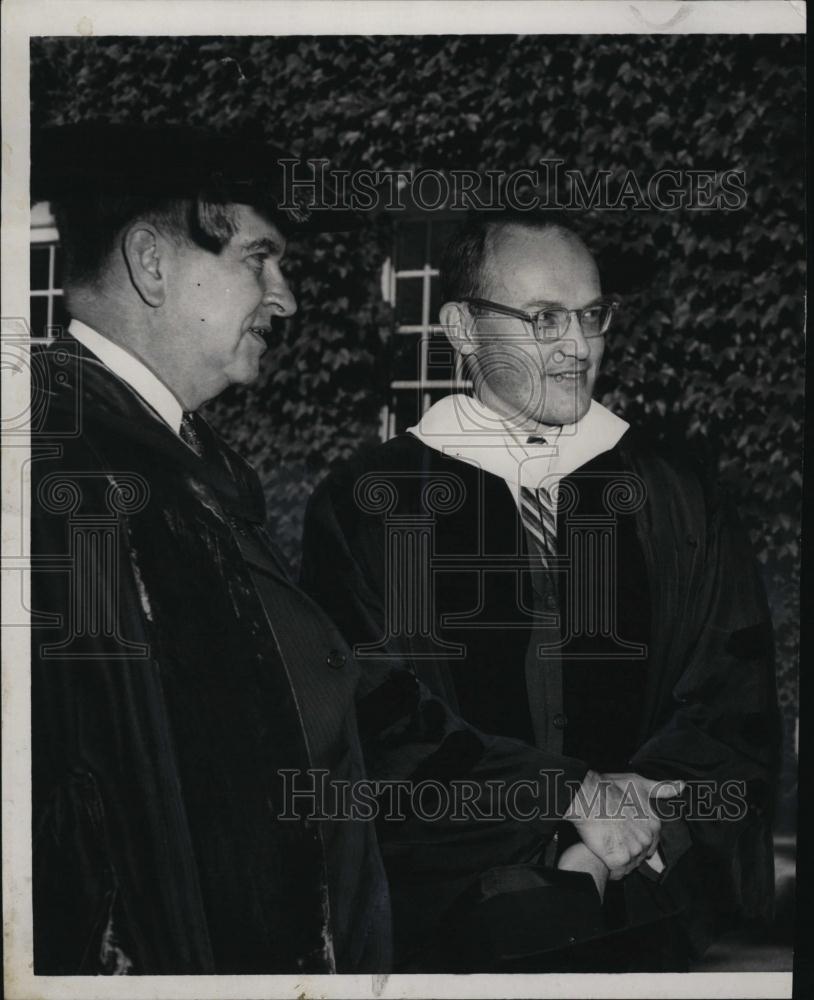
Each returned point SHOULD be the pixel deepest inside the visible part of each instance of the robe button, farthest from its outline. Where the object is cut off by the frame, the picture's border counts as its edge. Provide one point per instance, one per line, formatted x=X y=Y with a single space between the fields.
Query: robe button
x=560 y=721
x=336 y=659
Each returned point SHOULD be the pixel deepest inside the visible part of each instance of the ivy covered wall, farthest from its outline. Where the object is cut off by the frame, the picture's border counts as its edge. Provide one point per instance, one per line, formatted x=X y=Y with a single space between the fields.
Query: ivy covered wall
x=711 y=344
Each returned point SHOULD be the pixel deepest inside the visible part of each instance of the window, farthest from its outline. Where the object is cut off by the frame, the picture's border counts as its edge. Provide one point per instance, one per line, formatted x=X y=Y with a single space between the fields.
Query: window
x=423 y=365
x=47 y=305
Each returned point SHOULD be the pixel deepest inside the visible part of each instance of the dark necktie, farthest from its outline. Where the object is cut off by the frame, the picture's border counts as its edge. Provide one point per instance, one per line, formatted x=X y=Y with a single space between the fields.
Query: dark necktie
x=189 y=434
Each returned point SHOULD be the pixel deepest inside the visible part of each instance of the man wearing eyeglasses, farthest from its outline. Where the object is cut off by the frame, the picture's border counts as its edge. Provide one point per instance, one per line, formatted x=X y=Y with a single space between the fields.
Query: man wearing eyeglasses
x=566 y=590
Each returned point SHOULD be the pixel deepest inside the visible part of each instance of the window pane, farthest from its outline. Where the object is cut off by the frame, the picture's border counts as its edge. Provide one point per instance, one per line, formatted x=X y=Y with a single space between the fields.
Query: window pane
x=406 y=361
x=440 y=233
x=57 y=267
x=436 y=394
x=60 y=315
x=435 y=299
x=407 y=409
x=39 y=315
x=409 y=296
x=440 y=359
x=418 y=244
x=411 y=246
x=39 y=267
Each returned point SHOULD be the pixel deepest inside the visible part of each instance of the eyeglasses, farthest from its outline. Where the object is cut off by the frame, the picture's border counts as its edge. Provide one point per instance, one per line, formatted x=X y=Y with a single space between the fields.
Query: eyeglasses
x=552 y=322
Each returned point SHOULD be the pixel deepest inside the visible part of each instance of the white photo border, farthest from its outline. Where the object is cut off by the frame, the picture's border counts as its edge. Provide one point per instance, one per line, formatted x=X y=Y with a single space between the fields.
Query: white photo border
x=24 y=19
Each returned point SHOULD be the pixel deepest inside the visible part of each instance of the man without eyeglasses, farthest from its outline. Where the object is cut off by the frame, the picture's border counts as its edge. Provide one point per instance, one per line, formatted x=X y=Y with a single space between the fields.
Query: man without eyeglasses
x=589 y=598
x=177 y=673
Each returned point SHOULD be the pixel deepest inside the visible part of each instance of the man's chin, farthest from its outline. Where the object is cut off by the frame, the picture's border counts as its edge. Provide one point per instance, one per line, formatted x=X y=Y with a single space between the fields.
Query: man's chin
x=570 y=412
x=246 y=374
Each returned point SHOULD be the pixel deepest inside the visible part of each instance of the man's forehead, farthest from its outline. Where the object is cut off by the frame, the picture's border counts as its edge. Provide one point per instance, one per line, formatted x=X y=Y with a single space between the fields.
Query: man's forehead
x=522 y=255
x=550 y=241
x=254 y=225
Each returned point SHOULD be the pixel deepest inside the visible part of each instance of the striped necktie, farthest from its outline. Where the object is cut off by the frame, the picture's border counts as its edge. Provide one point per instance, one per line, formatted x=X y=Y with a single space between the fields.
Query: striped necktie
x=189 y=434
x=537 y=512
x=539 y=517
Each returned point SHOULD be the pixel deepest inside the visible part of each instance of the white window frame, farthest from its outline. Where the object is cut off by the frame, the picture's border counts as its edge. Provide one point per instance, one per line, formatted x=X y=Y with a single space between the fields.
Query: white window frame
x=422 y=384
x=44 y=232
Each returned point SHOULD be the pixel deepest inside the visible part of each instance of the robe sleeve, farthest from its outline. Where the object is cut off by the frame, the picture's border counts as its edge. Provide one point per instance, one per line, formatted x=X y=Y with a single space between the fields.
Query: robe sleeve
x=79 y=903
x=410 y=732
x=722 y=731
x=106 y=807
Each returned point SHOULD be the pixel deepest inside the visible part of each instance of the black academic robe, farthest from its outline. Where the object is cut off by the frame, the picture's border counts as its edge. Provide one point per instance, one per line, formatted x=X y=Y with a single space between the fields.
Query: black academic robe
x=177 y=673
x=706 y=706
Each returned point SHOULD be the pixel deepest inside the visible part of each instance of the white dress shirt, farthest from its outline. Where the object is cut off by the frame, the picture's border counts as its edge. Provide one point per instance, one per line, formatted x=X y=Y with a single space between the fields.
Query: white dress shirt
x=132 y=371
x=463 y=428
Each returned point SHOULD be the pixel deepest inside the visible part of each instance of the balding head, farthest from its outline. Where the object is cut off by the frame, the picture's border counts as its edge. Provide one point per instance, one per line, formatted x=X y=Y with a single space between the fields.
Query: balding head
x=515 y=269
x=467 y=265
x=563 y=258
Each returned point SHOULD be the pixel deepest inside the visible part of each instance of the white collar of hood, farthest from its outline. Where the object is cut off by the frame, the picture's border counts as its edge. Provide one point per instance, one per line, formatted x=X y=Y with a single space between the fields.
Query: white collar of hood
x=462 y=427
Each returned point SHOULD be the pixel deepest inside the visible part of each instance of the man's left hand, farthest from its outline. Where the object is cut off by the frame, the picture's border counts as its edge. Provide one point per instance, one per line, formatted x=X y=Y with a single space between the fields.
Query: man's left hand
x=641 y=793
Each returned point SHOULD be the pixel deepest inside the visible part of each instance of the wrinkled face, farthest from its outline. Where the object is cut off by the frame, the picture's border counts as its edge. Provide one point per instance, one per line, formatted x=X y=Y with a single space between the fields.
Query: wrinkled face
x=525 y=380
x=220 y=305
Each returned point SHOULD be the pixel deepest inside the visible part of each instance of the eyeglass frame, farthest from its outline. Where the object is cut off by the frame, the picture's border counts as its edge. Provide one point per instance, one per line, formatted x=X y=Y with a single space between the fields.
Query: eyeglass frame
x=612 y=302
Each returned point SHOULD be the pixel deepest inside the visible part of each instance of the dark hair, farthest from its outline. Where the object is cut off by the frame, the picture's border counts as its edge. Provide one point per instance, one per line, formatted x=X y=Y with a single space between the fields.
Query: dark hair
x=89 y=226
x=461 y=269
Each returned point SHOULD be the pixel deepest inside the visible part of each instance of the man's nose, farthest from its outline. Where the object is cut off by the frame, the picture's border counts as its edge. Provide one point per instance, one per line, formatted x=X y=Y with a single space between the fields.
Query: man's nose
x=279 y=297
x=574 y=336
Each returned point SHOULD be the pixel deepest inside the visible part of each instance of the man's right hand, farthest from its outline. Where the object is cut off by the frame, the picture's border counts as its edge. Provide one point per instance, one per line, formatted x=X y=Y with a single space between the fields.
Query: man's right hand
x=616 y=820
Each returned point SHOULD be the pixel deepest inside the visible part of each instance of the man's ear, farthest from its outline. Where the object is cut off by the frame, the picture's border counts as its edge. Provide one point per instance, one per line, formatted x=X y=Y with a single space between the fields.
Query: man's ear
x=141 y=246
x=457 y=324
